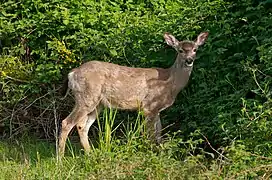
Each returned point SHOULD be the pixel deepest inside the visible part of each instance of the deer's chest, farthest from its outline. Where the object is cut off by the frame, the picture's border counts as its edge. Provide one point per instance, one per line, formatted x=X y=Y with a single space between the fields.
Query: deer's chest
x=159 y=98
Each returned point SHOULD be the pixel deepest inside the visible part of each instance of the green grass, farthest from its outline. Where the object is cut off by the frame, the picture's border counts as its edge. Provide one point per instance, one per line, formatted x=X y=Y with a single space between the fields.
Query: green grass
x=35 y=159
x=129 y=155
x=29 y=158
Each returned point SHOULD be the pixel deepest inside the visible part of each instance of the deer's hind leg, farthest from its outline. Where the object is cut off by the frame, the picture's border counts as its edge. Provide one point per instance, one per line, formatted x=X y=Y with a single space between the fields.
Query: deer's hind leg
x=83 y=127
x=68 y=123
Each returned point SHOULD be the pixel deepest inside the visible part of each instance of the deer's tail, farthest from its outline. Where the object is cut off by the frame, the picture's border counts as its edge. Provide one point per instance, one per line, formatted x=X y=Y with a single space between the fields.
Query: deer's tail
x=65 y=88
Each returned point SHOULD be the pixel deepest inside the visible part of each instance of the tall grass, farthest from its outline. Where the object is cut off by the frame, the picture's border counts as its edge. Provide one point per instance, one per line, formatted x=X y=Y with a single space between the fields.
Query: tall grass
x=127 y=156
x=130 y=132
x=106 y=129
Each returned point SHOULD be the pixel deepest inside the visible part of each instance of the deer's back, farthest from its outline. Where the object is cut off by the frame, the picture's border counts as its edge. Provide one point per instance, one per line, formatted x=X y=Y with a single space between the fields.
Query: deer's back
x=115 y=85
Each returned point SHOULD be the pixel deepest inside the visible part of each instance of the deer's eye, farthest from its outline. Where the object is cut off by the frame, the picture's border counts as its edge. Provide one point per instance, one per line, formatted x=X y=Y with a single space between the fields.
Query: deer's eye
x=194 y=50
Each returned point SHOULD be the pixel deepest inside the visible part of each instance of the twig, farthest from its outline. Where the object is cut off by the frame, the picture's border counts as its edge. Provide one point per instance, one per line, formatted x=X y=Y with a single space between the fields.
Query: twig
x=15 y=79
x=251 y=170
x=37 y=100
x=12 y=115
x=32 y=31
x=56 y=126
x=213 y=147
x=254 y=119
x=261 y=157
x=41 y=97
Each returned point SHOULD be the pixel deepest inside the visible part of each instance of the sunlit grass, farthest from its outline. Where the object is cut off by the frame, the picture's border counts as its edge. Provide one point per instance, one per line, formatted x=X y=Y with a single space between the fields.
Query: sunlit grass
x=127 y=156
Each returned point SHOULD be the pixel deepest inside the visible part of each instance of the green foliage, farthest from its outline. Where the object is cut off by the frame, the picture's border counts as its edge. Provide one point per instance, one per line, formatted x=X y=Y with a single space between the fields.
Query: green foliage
x=228 y=99
x=106 y=130
x=35 y=159
x=12 y=69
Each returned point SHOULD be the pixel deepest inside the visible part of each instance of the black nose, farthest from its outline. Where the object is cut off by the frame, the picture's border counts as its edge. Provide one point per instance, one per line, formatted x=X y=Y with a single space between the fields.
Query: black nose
x=189 y=61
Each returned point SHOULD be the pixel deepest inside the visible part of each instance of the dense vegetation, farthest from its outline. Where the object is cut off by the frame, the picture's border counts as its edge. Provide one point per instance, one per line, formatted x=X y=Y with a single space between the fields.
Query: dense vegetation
x=219 y=127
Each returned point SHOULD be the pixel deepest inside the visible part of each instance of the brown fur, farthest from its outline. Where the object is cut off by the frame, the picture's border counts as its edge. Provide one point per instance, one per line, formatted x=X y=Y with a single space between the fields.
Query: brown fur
x=96 y=84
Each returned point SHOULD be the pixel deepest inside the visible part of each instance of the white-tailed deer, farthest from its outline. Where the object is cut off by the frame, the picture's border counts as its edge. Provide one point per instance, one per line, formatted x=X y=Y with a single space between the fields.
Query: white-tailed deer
x=96 y=84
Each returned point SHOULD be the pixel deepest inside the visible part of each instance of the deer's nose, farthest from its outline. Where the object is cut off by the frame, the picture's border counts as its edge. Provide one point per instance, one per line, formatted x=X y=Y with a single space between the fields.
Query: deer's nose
x=189 y=60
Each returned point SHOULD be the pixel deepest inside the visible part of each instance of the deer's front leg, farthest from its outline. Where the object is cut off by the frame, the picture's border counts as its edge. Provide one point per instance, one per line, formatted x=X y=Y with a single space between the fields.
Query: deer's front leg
x=154 y=127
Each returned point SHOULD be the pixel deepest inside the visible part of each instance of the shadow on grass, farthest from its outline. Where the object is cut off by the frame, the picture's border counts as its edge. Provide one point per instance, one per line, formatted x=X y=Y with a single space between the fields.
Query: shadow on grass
x=32 y=149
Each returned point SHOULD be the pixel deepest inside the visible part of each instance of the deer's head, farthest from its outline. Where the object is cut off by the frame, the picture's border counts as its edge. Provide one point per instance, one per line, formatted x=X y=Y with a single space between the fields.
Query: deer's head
x=186 y=49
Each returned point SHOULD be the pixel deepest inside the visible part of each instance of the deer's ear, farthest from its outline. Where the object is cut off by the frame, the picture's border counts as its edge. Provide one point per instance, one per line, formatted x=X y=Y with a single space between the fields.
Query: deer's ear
x=171 y=40
x=201 y=38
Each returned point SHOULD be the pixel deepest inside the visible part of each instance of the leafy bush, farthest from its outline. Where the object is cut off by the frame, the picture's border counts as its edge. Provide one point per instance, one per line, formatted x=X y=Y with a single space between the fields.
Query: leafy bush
x=56 y=36
x=228 y=99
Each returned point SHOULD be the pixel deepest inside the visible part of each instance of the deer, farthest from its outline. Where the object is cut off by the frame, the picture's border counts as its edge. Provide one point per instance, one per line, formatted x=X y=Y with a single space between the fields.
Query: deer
x=97 y=84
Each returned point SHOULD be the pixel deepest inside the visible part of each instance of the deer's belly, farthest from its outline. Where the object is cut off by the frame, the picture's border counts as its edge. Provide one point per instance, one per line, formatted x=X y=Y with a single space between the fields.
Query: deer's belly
x=124 y=102
x=124 y=95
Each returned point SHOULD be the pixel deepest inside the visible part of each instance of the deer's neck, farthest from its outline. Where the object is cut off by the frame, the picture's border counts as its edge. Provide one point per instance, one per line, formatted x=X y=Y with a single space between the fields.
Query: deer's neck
x=180 y=74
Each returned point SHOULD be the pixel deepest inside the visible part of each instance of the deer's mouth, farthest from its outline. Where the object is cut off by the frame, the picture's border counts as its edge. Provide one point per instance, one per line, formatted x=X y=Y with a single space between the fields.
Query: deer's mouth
x=189 y=62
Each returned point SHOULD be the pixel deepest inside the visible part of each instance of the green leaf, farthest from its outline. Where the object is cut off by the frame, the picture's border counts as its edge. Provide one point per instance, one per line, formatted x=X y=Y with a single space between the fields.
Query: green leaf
x=66 y=21
x=113 y=52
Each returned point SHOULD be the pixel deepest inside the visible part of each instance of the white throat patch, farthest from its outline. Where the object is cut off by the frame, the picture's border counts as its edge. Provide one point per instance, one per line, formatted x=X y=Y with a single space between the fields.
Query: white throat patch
x=190 y=65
